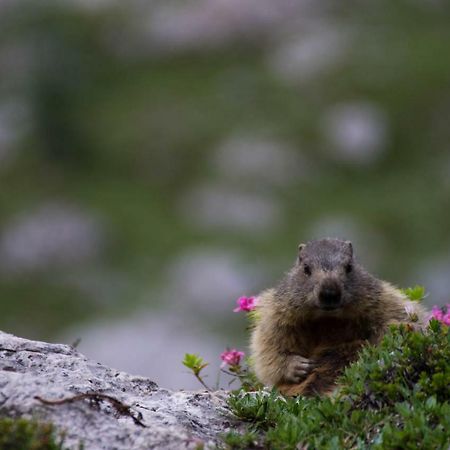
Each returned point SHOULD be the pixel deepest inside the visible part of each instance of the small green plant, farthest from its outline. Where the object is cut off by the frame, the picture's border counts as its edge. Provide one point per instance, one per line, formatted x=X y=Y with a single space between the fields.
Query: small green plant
x=241 y=372
x=243 y=441
x=23 y=434
x=196 y=364
x=416 y=293
x=234 y=362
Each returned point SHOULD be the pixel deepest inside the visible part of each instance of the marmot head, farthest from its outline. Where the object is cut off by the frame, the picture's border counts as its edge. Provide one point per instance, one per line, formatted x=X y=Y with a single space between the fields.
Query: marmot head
x=326 y=279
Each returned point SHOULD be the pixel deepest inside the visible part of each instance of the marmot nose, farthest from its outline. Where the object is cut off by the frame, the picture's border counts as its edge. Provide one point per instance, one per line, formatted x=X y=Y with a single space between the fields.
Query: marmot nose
x=330 y=296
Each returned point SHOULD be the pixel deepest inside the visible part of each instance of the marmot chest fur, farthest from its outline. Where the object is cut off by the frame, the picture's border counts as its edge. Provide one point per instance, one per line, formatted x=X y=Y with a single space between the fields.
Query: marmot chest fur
x=324 y=310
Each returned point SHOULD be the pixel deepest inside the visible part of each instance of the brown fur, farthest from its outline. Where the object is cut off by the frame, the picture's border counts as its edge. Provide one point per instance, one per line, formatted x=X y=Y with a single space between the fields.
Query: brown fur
x=301 y=348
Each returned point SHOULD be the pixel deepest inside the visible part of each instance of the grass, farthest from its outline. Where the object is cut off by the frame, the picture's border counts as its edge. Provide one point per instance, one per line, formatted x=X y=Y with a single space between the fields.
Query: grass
x=396 y=396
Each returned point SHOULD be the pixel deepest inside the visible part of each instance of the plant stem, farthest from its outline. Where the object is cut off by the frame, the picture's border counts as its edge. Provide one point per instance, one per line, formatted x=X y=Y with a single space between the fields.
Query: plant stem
x=218 y=379
x=199 y=378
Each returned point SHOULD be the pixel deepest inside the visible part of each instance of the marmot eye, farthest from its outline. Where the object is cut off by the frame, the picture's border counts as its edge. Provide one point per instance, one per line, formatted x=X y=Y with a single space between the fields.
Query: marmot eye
x=307 y=270
x=348 y=268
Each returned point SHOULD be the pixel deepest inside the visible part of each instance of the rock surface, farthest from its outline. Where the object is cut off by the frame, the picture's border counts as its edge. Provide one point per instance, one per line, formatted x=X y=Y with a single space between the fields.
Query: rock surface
x=162 y=419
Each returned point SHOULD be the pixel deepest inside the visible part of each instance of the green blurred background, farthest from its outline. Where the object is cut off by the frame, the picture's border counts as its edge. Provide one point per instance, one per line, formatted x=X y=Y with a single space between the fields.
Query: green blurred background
x=158 y=159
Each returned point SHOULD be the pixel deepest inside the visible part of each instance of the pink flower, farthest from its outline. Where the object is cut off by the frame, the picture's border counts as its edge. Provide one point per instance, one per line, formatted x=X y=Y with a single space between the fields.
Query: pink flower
x=437 y=313
x=246 y=304
x=446 y=318
x=442 y=314
x=231 y=357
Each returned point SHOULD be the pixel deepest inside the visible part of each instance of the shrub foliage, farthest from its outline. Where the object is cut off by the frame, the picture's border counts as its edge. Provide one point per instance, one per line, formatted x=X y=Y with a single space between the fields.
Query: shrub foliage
x=396 y=396
x=23 y=434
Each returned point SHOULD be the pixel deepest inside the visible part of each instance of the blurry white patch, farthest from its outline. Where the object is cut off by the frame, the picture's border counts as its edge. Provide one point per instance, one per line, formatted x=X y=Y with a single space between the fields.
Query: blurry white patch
x=209 y=280
x=310 y=55
x=102 y=286
x=356 y=132
x=210 y=23
x=152 y=345
x=254 y=158
x=93 y=5
x=221 y=206
x=17 y=61
x=13 y=120
x=434 y=276
x=367 y=243
x=51 y=236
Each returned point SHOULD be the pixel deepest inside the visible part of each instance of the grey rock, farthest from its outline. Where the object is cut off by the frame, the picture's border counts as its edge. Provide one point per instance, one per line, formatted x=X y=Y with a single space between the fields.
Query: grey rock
x=172 y=420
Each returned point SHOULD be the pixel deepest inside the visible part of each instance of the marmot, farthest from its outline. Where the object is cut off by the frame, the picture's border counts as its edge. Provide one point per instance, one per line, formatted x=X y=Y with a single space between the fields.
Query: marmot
x=324 y=310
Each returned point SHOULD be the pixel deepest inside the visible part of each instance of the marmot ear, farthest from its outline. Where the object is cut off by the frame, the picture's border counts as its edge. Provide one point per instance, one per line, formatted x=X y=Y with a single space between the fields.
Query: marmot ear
x=300 y=248
x=350 y=247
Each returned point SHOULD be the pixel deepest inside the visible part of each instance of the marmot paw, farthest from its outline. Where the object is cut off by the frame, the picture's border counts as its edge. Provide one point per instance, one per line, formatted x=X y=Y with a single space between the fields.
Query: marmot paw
x=298 y=368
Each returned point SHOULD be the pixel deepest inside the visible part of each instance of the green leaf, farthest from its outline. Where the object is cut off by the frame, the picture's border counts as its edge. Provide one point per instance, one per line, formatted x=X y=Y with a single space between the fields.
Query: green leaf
x=253 y=316
x=194 y=362
x=431 y=403
x=416 y=293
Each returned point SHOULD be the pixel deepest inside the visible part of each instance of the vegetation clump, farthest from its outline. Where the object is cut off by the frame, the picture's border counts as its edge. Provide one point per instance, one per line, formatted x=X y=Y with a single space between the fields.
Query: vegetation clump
x=395 y=396
x=23 y=434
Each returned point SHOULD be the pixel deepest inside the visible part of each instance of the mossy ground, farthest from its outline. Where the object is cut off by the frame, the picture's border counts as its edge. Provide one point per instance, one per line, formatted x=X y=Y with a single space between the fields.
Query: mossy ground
x=23 y=434
x=396 y=396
